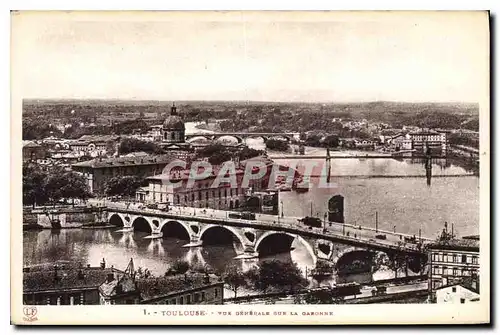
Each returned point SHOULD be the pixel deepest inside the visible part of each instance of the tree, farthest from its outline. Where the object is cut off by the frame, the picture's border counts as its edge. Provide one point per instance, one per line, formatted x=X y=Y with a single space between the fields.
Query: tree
x=275 y=273
x=216 y=153
x=123 y=185
x=234 y=279
x=128 y=145
x=33 y=185
x=331 y=141
x=75 y=187
x=54 y=185
x=274 y=144
x=247 y=153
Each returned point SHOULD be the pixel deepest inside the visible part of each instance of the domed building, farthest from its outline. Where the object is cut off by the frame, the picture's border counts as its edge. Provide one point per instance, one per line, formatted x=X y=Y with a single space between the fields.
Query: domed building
x=173 y=130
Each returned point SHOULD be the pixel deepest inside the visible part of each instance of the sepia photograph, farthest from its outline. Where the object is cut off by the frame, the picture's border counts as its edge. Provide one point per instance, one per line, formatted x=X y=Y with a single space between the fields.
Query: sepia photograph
x=206 y=167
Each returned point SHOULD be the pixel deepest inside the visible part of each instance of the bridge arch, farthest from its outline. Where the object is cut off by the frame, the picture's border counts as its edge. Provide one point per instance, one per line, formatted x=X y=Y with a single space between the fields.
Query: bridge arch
x=198 y=138
x=341 y=256
x=141 y=223
x=180 y=224
x=232 y=230
x=307 y=245
x=116 y=219
x=220 y=138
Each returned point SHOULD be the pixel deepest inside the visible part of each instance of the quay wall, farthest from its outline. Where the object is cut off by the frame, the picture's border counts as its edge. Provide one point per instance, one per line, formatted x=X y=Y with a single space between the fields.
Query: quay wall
x=68 y=217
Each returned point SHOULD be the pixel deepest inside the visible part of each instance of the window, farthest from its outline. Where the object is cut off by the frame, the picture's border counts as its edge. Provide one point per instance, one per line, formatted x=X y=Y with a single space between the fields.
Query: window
x=196 y=297
x=464 y=258
x=173 y=302
x=199 y=195
x=462 y=300
x=454 y=289
x=216 y=292
x=455 y=258
x=455 y=271
x=181 y=301
x=474 y=260
x=202 y=296
x=469 y=259
x=188 y=299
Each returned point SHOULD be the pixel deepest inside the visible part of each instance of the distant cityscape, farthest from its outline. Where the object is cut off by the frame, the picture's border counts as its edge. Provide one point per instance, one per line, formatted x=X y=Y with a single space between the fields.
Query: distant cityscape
x=104 y=168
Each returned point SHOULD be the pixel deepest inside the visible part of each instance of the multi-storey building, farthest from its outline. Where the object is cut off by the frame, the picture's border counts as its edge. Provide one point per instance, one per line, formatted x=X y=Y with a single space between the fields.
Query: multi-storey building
x=64 y=284
x=452 y=262
x=435 y=142
x=99 y=170
x=72 y=284
x=33 y=151
x=202 y=193
x=184 y=289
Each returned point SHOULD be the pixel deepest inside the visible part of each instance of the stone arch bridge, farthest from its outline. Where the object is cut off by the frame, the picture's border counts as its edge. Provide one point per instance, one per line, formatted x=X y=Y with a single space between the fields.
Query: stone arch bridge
x=290 y=137
x=258 y=238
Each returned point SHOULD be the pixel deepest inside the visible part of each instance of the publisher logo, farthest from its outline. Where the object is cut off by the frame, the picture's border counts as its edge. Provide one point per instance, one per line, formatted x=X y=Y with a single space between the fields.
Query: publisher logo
x=29 y=313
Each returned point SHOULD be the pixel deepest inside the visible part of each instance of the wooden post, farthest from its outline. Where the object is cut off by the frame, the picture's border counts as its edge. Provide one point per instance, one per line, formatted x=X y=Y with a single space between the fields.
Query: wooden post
x=376 y=222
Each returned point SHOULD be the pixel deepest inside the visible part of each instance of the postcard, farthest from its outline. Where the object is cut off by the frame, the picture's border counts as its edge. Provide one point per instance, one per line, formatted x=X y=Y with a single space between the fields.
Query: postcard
x=257 y=168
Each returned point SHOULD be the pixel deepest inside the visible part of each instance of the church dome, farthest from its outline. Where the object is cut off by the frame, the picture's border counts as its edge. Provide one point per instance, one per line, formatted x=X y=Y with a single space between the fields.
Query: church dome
x=173 y=122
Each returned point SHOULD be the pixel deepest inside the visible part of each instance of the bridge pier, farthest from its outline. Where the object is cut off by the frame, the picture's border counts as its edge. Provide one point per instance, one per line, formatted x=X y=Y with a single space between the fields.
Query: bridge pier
x=249 y=252
x=156 y=233
x=193 y=243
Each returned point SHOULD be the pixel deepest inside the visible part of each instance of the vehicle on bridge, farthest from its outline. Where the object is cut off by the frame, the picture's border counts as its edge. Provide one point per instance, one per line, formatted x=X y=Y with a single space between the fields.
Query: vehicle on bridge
x=311 y=222
x=242 y=215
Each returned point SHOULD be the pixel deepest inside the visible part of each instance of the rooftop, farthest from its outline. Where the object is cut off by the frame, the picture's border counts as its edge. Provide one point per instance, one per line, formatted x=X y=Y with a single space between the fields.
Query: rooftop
x=152 y=288
x=30 y=144
x=125 y=161
x=456 y=244
x=49 y=279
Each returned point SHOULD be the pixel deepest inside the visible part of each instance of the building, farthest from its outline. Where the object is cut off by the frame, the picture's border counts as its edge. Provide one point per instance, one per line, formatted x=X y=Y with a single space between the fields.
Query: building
x=451 y=261
x=187 y=289
x=99 y=170
x=400 y=142
x=95 y=145
x=465 y=292
x=64 y=284
x=202 y=193
x=431 y=140
x=72 y=284
x=171 y=135
x=33 y=151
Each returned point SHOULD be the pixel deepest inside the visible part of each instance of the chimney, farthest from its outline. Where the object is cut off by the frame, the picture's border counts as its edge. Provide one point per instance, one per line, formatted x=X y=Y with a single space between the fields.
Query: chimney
x=110 y=278
x=103 y=264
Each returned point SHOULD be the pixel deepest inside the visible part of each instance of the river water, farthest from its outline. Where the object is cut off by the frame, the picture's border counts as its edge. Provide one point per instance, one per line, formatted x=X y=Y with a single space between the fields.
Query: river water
x=406 y=204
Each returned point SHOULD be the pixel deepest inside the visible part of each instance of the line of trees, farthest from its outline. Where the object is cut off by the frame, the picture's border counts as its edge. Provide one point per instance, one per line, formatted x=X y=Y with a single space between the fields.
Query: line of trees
x=42 y=187
x=128 y=145
x=275 y=144
x=272 y=274
x=123 y=185
x=218 y=153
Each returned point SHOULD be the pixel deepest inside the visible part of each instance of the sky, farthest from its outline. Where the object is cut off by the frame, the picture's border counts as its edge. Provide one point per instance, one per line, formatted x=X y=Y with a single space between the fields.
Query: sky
x=312 y=57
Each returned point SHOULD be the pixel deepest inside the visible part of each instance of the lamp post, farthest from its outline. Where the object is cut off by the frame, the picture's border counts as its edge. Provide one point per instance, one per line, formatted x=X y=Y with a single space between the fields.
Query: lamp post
x=282 y=214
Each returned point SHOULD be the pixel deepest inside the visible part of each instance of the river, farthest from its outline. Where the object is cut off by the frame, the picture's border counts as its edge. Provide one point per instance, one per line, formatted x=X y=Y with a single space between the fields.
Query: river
x=406 y=204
